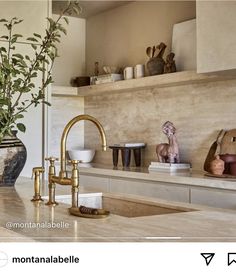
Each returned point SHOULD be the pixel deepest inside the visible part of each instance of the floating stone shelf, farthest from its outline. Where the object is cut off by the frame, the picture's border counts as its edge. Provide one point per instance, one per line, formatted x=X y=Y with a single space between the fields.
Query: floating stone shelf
x=159 y=81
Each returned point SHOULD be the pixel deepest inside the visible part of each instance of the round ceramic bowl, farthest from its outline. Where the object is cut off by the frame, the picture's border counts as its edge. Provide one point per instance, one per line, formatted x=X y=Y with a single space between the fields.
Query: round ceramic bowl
x=84 y=155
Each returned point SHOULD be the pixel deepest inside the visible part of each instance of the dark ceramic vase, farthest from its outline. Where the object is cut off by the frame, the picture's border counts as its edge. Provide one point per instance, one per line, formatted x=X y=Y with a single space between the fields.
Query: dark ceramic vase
x=228 y=159
x=155 y=66
x=12 y=159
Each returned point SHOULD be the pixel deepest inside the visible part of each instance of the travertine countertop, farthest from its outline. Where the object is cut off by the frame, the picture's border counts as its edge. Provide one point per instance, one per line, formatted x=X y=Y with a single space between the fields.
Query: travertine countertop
x=193 y=178
x=203 y=225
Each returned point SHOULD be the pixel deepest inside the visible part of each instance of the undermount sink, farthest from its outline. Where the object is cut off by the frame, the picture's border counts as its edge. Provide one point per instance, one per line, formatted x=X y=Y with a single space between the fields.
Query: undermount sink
x=127 y=207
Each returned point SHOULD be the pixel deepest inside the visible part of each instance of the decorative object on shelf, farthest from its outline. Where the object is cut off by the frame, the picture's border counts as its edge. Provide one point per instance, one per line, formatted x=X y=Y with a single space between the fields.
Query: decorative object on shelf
x=128 y=73
x=139 y=71
x=126 y=149
x=217 y=166
x=228 y=145
x=225 y=148
x=213 y=151
x=168 y=152
x=170 y=66
x=94 y=78
x=229 y=159
x=106 y=78
x=12 y=159
x=82 y=155
x=233 y=168
x=17 y=75
x=169 y=167
x=80 y=81
x=156 y=63
x=112 y=70
x=96 y=68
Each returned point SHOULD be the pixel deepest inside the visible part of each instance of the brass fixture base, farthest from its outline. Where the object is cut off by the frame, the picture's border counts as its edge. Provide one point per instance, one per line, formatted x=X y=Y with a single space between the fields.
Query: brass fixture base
x=101 y=213
x=50 y=203
x=37 y=199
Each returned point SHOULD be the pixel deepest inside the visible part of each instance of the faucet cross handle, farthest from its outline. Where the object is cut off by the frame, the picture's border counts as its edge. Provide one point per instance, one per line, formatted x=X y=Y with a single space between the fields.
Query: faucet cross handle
x=74 y=163
x=51 y=160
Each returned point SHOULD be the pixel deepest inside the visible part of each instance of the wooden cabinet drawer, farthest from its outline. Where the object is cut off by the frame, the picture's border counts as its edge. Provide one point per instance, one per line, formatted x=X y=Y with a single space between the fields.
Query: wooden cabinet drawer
x=214 y=198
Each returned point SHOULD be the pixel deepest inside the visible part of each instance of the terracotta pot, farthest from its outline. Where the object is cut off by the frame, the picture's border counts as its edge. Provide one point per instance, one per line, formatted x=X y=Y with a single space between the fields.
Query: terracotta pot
x=12 y=159
x=217 y=166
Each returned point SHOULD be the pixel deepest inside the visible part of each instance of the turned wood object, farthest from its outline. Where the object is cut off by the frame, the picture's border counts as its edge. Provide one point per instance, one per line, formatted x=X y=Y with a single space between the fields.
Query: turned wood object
x=170 y=66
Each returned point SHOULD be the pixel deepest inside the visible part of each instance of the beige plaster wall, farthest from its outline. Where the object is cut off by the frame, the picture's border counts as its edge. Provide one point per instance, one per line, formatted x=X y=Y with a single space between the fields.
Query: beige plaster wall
x=216 y=23
x=198 y=111
x=72 y=53
x=120 y=36
x=62 y=111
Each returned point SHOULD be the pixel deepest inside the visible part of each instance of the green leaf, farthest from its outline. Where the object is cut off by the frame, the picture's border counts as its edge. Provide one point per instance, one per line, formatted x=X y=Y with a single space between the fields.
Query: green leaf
x=37 y=35
x=62 y=29
x=3 y=49
x=4 y=37
x=34 y=46
x=17 y=35
x=76 y=9
x=4 y=102
x=13 y=40
x=17 y=55
x=34 y=75
x=19 y=116
x=32 y=39
x=52 y=23
x=47 y=103
x=18 y=22
x=21 y=127
x=66 y=20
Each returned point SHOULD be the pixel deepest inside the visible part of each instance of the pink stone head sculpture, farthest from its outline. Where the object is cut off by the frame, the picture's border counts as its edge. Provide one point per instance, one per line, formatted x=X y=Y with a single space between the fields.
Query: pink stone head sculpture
x=168 y=152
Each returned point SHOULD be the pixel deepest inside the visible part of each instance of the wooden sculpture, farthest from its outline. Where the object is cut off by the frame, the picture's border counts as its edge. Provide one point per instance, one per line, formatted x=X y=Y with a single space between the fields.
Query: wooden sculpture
x=170 y=66
x=168 y=152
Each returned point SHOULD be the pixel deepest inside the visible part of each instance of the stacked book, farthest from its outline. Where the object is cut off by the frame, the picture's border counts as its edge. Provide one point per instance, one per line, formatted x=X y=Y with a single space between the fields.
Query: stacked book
x=169 y=167
x=106 y=78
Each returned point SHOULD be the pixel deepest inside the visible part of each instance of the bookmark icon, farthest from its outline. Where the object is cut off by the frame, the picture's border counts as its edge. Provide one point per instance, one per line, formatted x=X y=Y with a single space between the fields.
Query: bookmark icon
x=231 y=258
x=208 y=257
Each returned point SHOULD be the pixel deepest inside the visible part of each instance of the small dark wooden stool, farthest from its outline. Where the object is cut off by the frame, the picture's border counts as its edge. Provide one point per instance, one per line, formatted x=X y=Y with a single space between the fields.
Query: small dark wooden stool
x=126 y=155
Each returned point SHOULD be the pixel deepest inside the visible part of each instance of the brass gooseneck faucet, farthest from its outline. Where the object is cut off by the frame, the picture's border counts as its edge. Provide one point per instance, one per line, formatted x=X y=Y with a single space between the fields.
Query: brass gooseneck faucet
x=63 y=178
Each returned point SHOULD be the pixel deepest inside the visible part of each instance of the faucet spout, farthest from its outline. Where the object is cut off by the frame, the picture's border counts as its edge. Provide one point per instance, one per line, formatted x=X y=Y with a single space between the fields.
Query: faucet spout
x=63 y=178
x=70 y=124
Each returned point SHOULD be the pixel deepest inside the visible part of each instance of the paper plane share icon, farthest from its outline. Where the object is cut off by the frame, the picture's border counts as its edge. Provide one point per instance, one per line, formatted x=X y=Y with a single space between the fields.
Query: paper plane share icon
x=208 y=257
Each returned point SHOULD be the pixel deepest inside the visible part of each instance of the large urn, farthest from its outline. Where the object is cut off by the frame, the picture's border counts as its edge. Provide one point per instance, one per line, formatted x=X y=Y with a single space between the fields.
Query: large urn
x=12 y=159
